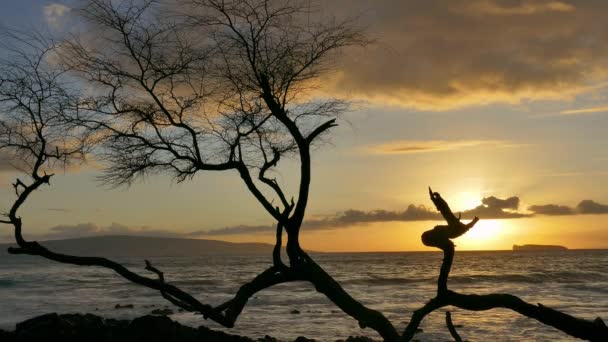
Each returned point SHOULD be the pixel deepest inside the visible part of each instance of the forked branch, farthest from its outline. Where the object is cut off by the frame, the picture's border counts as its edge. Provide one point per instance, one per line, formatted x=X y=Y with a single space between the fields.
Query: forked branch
x=440 y=237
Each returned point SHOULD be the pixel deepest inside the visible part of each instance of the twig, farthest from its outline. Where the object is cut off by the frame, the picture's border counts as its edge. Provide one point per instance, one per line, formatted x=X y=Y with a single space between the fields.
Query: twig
x=451 y=327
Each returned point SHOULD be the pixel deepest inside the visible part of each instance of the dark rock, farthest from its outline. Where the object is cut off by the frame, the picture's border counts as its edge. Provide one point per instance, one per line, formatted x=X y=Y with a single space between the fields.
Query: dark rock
x=419 y=330
x=6 y=336
x=304 y=339
x=358 y=339
x=126 y=306
x=268 y=339
x=69 y=327
x=158 y=328
x=162 y=312
x=295 y=312
x=91 y=328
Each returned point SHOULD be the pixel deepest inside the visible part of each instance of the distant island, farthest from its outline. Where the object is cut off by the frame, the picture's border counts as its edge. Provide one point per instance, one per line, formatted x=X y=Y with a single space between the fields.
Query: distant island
x=139 y=246
x=517 y=248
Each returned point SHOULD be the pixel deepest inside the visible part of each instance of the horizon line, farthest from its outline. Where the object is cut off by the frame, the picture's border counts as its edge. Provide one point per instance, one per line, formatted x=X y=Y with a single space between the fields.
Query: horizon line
x=316 y=251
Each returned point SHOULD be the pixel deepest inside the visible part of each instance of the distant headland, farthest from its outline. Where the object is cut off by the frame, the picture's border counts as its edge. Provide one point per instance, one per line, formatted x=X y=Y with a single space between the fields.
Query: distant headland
x=517 y=248
x=143 y=246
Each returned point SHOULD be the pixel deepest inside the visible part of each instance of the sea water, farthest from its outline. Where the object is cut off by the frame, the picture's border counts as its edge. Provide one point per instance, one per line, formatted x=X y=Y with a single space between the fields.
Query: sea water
x=396 y=284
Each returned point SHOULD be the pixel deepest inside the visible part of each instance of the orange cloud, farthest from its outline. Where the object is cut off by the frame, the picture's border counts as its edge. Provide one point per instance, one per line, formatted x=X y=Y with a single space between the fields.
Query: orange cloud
x=517 y=8
x=444 y=54
x=585 y=110
x=427 y=146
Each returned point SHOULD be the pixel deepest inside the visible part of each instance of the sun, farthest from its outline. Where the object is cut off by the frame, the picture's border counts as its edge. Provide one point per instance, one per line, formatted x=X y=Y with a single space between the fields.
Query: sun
x=467 y=200
x=484 y=235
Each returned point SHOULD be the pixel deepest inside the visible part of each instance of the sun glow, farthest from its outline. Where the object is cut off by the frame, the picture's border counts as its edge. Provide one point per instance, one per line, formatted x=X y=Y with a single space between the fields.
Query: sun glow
x=484 y=235
x=466 y=200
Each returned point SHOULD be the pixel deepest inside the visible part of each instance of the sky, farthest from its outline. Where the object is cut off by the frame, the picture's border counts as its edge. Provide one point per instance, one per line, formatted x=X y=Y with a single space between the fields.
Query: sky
x=501 y=106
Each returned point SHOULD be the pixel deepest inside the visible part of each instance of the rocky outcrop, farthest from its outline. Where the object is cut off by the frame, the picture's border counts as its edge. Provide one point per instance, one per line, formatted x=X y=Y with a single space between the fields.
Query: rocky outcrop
x=525 y=248
x=88 y=327
x=91 y=328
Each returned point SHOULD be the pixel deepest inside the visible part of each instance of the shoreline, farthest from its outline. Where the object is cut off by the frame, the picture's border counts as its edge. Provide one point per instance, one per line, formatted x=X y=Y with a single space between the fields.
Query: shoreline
x=149 y=328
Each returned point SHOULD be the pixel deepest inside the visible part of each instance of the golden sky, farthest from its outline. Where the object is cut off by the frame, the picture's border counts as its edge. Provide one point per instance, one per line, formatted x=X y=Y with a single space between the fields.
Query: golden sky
x=476 y=98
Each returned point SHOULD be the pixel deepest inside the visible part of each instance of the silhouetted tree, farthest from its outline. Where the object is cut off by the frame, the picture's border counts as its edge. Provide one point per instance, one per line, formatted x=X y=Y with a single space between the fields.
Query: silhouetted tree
x=222 y=85
x=34 y=101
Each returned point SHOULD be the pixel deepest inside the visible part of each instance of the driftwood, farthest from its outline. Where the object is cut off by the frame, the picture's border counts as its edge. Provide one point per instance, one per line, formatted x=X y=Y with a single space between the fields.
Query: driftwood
x=440 y=237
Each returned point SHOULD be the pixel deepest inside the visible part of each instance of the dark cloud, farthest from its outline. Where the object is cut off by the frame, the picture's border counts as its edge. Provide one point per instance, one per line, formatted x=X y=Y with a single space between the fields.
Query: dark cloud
x=496 y=208
x=491 y=208
x=584 y=207
x=509 y=203
x=91 y=229
x=353 y=217
x=449 y=53
x=551 y=209
x=233 y=230
x=592 y=207
x=343 y=219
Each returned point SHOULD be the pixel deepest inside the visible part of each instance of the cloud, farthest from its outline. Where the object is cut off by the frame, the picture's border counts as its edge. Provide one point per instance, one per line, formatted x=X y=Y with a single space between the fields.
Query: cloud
x=509 y=203
x=342 y=219
x=233 y=230
x=5 y=164
x=353 y=217
x=54 y=14
x=517 y=8
x=583 y=208
x=551 y=209
x=443 y=54
x=92 y=229
x=491 y=208
x=496 y=208
x=427 y=146
x=585 y=110
x=591 y=207
x=11 y=163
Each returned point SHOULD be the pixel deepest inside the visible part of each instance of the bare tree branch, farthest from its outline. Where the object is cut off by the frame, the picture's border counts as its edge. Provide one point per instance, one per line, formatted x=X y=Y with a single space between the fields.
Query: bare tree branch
x=160 y=99
x=440 y=237
x=451 y=327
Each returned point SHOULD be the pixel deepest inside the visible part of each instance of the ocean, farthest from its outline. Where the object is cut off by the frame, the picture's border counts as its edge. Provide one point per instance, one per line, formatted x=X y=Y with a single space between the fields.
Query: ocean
x=575 y=282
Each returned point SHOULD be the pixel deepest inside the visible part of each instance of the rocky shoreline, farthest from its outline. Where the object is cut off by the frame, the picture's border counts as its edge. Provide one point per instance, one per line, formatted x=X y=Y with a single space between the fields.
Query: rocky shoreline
x=92 y=328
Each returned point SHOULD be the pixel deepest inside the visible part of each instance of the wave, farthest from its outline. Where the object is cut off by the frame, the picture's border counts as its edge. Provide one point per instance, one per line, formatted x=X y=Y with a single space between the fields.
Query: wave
x=530 y=278
x=534 y=277
x=188 y=282
x=374 y=280
x=588 y=288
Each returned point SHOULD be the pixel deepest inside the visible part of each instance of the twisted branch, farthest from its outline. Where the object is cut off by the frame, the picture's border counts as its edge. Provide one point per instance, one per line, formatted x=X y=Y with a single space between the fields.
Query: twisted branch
x=440 y=237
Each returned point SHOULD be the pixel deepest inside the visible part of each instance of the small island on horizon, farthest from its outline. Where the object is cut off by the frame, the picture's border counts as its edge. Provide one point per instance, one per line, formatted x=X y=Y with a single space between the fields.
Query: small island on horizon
x=524 y=248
